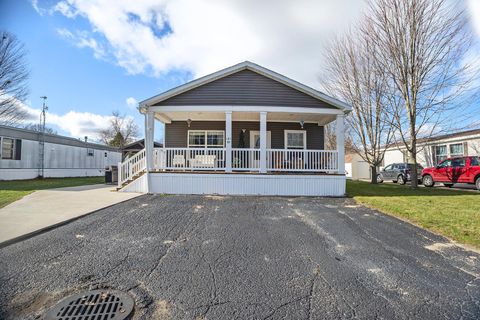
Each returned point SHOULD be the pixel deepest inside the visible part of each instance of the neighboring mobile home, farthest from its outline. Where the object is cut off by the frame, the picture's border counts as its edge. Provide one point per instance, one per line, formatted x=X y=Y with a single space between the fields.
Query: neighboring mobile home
x=242 y=130
x=21 y=154
x=435 y=149
x=430 y=152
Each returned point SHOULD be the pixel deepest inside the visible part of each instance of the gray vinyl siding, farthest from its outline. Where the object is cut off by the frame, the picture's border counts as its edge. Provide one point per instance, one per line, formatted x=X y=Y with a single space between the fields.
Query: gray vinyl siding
x=176 y=132
x=245 y=88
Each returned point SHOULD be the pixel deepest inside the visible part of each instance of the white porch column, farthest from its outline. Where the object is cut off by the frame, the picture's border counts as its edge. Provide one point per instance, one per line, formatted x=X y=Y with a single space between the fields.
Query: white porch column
x=263 y=142
x=340 y=133
x=149 y=132
x=228 y=141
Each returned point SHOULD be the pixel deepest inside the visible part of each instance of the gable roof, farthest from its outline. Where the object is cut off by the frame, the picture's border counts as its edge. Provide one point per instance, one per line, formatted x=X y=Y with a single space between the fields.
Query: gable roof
x=139 y=144
x=247 y=65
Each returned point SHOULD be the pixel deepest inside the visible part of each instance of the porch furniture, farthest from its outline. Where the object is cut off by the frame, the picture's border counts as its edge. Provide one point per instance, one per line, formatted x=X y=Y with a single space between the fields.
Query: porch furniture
x=178 y=161
x=203 y=161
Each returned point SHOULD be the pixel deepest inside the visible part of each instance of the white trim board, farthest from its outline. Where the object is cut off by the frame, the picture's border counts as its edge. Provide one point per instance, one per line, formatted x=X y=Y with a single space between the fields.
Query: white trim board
x=247 y=65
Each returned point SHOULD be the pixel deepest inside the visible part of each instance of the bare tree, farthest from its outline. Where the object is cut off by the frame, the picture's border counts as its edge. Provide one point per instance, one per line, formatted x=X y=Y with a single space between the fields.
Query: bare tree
x=355 y=77
x=13 y=79
x=122 y=131
x=39 y=128
x=422 y=46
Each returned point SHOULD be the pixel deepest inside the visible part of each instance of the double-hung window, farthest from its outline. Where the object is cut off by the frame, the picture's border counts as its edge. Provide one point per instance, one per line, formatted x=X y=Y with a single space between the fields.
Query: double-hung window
x=7 y=148
x=206 y=138
x=440 y=153
x=456 y=150
x=295 y=139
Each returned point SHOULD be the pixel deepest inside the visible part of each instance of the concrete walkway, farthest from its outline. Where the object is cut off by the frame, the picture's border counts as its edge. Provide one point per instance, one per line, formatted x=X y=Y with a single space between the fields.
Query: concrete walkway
x=45 y=208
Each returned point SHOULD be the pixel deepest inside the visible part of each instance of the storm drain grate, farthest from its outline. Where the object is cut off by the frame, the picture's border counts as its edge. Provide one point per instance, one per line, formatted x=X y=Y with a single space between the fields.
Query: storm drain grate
x=93 y=305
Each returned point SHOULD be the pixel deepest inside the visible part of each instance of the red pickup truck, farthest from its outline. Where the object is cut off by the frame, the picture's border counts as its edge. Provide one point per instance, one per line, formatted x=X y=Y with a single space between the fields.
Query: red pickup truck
x=453 y=170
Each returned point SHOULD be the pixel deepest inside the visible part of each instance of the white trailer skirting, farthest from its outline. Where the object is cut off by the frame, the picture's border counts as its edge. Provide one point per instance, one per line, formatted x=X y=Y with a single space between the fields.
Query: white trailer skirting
x=240 y=184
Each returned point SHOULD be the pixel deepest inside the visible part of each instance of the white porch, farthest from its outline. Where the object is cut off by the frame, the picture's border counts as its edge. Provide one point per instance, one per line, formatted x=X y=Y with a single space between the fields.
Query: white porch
x=283 y=119
x=228 y=170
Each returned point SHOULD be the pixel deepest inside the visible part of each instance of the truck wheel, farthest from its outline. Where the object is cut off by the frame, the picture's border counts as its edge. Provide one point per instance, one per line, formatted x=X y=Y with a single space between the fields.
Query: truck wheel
x=379 y=178
x=448 y=185
x=477 y=183
x=428 y=181
x=401 y=180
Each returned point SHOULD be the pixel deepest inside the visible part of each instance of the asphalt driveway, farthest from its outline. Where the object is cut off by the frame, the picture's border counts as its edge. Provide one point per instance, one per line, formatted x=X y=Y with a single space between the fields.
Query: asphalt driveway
x=194 y=257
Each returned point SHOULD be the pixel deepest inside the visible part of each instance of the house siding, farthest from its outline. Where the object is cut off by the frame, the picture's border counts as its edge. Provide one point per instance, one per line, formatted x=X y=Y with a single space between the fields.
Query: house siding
x=245 y=88
x=176 y=132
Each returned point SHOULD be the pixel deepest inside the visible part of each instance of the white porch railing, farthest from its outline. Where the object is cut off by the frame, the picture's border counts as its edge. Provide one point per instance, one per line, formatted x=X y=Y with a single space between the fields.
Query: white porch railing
x=131 y=167
x=189 y=159
x=302 y=160
x=243 y=159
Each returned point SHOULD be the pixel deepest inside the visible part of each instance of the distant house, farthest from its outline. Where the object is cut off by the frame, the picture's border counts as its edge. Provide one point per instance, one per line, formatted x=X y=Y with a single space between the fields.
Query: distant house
x=21 y=154
x=243 y=130
x=430 y=152
x=136 y=146
x=435 y=149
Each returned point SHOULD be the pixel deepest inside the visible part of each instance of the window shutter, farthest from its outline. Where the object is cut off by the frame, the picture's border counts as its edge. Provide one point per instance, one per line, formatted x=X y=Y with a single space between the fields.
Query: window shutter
x=465 y=148
x=18 y=149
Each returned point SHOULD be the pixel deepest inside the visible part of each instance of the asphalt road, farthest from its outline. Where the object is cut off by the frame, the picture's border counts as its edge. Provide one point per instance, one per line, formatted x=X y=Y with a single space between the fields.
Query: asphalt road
x=194 y=257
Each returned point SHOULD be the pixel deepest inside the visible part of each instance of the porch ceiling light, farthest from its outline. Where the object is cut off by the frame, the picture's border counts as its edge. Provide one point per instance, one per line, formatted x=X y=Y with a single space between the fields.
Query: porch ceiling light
x=189 y=122
x=302 y=123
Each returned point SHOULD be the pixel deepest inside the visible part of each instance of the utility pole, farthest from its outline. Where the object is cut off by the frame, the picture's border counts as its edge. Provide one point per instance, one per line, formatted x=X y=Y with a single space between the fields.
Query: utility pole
x=42 y=139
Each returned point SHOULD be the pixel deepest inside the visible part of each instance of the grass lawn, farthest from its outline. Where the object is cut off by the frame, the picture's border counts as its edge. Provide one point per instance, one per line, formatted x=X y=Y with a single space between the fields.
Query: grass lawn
x=454 y=214
x=11 y=191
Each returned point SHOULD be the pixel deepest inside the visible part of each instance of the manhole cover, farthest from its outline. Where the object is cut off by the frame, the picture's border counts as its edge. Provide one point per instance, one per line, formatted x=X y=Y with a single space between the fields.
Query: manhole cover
x=93 y=305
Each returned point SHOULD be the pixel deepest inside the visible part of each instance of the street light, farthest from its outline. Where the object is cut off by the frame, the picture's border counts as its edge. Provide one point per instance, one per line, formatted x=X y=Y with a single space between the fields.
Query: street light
x=42 y=142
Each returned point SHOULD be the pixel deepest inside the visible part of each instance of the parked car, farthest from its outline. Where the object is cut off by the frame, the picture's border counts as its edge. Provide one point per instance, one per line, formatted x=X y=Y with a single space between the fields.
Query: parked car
x=453 y=170
x=399 y=172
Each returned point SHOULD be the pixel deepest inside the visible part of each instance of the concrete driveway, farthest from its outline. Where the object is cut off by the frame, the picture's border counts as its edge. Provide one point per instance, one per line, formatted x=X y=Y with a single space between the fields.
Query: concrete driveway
x=45 y=208
x=194 y=257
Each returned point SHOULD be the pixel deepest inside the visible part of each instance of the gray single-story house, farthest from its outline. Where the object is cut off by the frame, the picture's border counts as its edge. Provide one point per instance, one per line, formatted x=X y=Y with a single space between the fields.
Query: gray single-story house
x=242 y=130
x=21 y=155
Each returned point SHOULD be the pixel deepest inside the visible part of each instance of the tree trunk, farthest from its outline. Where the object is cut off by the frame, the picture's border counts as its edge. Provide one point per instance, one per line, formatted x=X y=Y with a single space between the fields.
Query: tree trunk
x=373 y=169
x=413 y=173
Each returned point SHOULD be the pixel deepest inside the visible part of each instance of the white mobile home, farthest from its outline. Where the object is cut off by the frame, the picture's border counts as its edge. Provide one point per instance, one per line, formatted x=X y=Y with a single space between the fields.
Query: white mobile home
x=20 y=155
x=435 y=149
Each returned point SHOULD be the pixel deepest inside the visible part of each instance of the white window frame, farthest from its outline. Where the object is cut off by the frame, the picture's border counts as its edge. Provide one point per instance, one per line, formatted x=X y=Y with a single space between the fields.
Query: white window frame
x=92 y=154
x=285 y=139
x=441 y=155
x=206 y=145
x=456 y=154
x=13 y=148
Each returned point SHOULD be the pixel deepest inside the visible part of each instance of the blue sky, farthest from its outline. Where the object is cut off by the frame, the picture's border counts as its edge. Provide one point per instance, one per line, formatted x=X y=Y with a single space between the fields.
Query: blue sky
x=91 y=57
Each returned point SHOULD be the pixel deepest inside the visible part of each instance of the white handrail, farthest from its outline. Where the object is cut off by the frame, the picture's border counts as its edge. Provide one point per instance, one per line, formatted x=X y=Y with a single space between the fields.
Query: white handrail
x=245 y=159
x=131 y=167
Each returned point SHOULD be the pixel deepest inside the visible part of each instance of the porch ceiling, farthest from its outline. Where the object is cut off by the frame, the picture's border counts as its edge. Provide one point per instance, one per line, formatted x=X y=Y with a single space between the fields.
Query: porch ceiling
x=321 y=119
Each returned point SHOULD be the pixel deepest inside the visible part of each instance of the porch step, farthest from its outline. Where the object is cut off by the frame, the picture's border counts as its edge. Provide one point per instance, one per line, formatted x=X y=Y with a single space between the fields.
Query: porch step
x=135 y=177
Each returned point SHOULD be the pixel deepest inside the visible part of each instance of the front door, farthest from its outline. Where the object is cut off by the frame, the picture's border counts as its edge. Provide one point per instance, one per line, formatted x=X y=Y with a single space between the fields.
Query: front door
x=255 y=144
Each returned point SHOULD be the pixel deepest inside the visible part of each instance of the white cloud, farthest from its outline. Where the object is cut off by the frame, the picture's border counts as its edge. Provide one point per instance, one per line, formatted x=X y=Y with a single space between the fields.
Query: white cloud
x=64 y=8
x=77 y=124
x=159 y=36
x=131 y=102
x=474 y=9
x=81 y=39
